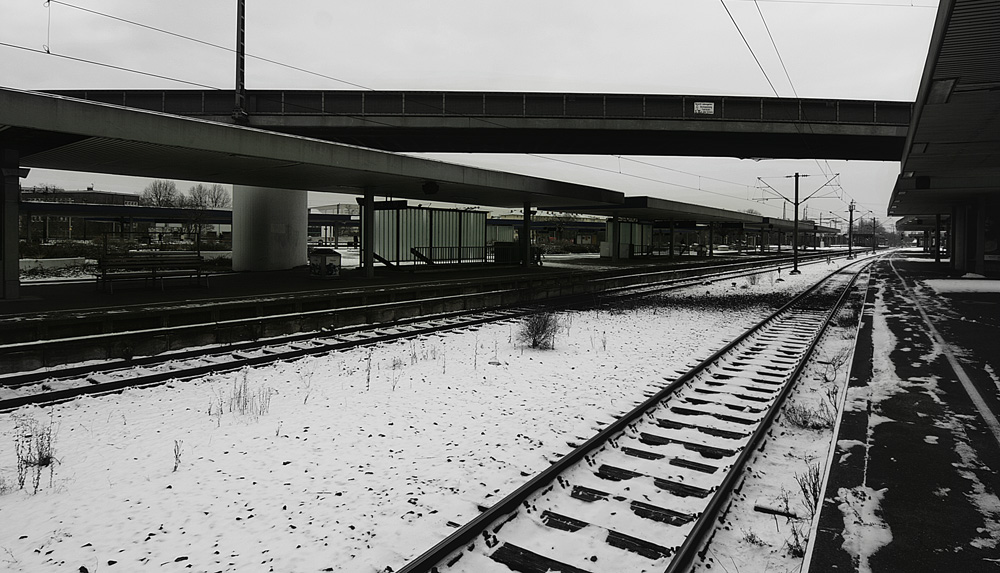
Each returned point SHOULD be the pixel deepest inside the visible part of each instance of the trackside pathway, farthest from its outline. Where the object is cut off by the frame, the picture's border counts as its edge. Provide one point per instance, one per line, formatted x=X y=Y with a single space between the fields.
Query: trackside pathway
x=914 y=481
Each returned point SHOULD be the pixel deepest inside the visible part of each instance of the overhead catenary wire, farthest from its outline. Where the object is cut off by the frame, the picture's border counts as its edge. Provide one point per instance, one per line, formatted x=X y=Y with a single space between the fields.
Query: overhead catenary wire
x=750 y=48
x=360 y=86
x=106 y=65
x=616 y=172
x=206 y=43
x=318 y=74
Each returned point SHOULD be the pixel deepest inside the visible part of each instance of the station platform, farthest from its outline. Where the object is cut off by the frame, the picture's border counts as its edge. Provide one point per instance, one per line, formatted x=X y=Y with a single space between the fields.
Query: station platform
x=915 y=475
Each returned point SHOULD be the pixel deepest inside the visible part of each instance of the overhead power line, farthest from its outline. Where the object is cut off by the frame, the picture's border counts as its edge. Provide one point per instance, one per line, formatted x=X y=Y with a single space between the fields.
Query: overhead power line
x=752 y=53
x=205 y=43
x=360 y=86
x=105 y=65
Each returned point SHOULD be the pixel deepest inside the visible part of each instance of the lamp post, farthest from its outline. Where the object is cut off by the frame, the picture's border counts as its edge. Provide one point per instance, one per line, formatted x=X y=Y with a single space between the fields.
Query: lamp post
x=795 y=231
x=239 y=110
x=850 y=231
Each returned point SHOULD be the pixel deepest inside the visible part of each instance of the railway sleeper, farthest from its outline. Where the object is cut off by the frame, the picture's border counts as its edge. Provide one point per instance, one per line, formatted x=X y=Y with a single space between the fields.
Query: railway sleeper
x=661 y=514
x=524 y=561
x=705 y=450
x=746 y=397
x=736 y=407
x=726 y=418
x=718 y=383
x=693 y=465
x=621 y=540
x=718 y=432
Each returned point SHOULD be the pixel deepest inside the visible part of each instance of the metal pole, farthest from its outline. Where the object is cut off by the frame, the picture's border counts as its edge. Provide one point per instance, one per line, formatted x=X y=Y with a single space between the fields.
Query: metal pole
x=937 y=238
x=874 y=241
x=795 y=231
x=368 y=233
x=239 y=111
x=850 y=231
x=526 y=232
x=673 y=236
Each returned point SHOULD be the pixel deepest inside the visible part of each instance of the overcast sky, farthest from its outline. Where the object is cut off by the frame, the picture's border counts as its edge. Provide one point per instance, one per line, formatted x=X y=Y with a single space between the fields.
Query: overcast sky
x=830 y=48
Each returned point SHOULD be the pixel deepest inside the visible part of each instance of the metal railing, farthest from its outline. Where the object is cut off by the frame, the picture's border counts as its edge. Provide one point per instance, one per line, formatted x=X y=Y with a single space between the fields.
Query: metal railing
x=498 y=104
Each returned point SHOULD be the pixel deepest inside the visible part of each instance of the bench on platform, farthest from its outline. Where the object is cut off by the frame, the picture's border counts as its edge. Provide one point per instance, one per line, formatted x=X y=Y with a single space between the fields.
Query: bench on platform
x=151 y=265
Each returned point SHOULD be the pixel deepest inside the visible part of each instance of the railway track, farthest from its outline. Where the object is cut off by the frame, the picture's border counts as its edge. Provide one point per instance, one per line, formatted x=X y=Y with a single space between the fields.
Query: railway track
x=32 y=342
x=71 y=381
x=644 y=494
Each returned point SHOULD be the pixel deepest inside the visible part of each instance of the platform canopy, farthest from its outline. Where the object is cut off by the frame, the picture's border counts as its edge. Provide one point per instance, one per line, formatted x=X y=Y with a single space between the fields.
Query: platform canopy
x=922 y=223
x=655 y=209
x=952 y=151
x=56 y=132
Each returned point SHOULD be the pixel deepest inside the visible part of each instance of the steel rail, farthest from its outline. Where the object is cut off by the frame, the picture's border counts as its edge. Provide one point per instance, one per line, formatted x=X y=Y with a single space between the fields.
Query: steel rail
x=703 y=527
x=151 y=379
x=661 y=279
x=43 y=375
x=85 y=373
x=474 y=528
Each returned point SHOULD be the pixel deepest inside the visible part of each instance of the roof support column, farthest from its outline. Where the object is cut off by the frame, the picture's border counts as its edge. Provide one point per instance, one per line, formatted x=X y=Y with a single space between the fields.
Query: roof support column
x=952 y=233
x=673 y=236
x=979 y=263
x=963 y=235
x=368 y=234
x=711 y=239
x=11 y=194
x=616 y=232
x=526 y=258
x=937 y=238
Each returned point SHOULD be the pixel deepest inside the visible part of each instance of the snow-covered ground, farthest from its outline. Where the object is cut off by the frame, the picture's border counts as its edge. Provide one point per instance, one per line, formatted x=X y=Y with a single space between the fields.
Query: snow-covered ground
x=362 y=459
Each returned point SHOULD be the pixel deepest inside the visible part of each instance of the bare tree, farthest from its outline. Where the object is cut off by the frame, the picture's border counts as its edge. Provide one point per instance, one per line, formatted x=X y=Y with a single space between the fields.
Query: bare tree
x=212 y=196
x=160 y=193
x=197 y=197
x=218 y=197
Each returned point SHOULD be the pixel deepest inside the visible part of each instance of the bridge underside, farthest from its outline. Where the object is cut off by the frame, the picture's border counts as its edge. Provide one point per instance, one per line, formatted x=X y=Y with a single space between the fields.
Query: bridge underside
x=668 y=140
x=586 y=124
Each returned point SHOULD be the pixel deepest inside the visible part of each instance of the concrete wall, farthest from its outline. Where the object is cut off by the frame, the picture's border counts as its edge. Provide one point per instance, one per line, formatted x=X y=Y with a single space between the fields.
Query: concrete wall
x=270 y=228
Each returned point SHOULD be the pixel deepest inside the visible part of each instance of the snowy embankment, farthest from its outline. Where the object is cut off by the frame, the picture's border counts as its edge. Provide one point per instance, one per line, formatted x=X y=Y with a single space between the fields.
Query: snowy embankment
x=355 y=461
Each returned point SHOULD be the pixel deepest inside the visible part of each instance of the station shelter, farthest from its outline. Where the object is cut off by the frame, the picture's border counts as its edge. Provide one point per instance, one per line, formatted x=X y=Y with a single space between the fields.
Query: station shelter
x=404 y=235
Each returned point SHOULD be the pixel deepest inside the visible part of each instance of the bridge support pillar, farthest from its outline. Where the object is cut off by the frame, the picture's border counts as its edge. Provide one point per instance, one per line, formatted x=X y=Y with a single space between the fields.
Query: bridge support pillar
x=10 y=195
x=270 y=227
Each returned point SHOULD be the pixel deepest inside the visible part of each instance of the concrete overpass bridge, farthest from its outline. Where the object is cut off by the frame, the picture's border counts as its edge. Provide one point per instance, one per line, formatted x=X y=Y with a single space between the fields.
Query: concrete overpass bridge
x=594 y=124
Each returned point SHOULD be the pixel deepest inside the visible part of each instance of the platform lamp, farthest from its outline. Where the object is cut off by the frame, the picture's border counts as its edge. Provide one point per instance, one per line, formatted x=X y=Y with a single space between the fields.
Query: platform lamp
x=850 y=231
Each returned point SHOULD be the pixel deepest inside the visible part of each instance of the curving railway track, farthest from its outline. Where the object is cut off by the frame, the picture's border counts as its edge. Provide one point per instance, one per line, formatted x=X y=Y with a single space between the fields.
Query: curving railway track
x=644 y=494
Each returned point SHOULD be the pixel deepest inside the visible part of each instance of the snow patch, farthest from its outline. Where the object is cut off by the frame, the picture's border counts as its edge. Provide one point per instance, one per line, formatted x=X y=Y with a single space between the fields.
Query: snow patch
x=980 y=284
x=864 y=530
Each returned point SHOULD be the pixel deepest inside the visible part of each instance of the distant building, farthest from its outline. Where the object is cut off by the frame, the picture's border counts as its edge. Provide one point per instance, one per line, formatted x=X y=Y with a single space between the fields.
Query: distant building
x=90 y=196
